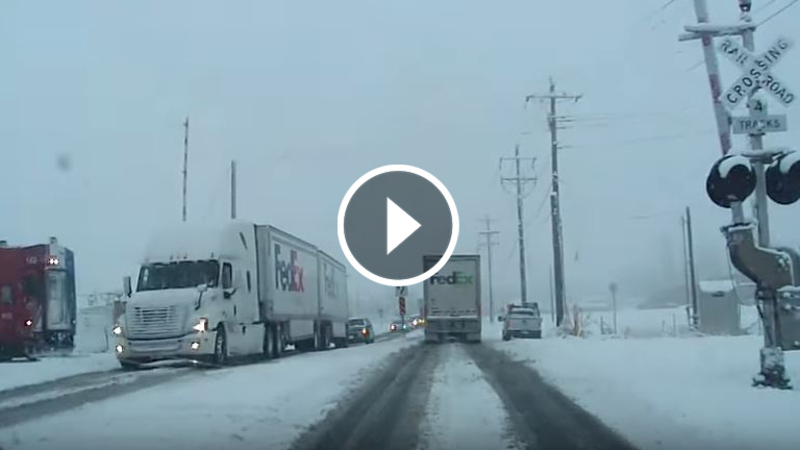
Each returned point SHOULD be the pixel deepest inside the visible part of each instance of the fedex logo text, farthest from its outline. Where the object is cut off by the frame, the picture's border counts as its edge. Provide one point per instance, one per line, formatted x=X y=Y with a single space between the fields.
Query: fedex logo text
x=288 y=275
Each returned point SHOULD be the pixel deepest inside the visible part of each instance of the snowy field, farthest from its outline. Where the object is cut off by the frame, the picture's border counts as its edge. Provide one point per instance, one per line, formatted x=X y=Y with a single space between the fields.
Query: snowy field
x=664 y=392
x=262 y=406
x=22 y=372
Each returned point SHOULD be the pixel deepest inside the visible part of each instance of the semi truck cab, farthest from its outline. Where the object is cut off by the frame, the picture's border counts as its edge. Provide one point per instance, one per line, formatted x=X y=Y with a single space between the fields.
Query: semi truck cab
x=195 y=298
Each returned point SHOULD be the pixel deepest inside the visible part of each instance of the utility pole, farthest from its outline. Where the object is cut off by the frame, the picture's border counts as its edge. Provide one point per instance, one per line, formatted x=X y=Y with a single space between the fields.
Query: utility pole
x=685 y=262
x=552 y=297
x=519 y=180
x=692 y=274
x=488 y=233
x=555 y=206
x=233 y=189
x=185 y=162
x=613 y=288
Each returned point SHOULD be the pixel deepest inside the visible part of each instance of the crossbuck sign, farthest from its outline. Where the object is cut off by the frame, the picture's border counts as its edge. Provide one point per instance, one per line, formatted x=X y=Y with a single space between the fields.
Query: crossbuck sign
x=756 y=72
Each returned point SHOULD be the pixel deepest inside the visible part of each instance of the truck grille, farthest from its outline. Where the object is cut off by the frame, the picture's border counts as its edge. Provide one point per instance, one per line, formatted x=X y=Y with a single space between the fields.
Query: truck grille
x=155 y=322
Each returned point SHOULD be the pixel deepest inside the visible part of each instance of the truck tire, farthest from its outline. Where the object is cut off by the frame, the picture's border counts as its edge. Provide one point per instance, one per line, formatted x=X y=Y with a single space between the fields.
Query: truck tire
x=220 y=356
x=268 y=348
x=128 y=366
x=327 y=337
x=317 y=341
x=506 y=337
x=280 y=343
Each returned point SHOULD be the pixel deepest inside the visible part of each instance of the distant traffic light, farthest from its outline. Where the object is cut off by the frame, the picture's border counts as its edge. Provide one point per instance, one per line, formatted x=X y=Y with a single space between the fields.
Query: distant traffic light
x=732 y=179
x=783 y=179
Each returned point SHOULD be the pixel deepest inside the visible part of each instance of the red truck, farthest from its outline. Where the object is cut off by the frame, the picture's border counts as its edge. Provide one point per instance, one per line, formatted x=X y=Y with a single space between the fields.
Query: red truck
x=37 y=299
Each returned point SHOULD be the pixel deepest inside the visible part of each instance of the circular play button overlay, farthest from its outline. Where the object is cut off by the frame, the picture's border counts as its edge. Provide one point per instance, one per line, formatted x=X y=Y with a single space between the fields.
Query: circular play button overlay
x=393 y=216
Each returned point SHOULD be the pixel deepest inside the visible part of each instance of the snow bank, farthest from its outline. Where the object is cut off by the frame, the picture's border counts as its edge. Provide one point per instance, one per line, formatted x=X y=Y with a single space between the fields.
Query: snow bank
x=251 y=407
x=665 y=393
x=22 y=373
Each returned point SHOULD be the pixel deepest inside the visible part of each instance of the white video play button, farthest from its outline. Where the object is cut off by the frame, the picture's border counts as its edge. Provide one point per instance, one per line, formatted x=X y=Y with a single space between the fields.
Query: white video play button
x=399 y=225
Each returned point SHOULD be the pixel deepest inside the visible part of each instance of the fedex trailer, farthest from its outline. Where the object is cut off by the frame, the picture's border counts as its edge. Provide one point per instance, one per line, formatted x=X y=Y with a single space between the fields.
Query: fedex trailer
x=235 y=290
x=452 y=299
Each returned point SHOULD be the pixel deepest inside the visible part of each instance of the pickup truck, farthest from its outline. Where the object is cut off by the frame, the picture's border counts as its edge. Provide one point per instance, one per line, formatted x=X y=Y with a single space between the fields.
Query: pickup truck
x=522 y=321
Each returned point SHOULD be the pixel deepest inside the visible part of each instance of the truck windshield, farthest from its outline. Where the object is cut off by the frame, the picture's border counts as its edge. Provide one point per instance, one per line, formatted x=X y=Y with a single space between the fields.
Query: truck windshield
x=176 y=275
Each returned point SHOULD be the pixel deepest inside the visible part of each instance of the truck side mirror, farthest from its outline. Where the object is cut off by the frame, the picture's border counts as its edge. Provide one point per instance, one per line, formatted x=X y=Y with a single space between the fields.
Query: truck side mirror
x=126 y=286
x=500 y=318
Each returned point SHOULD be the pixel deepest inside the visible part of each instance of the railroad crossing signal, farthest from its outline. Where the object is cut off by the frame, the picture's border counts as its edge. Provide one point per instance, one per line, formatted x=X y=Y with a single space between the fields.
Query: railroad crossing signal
x=756 y=72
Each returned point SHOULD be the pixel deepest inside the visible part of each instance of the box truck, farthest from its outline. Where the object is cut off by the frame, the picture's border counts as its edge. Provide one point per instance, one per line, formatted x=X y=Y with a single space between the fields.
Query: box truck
x=452 y=299
x=37 y=299
x=238 y=289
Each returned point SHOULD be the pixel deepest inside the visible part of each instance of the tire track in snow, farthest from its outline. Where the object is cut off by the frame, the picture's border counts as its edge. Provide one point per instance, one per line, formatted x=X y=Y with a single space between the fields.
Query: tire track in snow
x=463 y=410
x=543 y=416
x=385 y=413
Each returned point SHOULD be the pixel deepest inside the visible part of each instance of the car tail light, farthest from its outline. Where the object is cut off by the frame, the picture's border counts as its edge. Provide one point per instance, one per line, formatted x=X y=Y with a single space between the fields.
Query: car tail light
x=364 y=331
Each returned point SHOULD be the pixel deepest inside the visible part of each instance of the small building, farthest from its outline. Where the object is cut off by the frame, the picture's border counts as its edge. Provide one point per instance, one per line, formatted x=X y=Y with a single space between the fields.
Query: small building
x=719 y=306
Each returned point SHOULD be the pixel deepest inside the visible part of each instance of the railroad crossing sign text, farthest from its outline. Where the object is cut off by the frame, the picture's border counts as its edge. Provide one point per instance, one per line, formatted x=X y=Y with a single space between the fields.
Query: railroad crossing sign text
x=756 y=72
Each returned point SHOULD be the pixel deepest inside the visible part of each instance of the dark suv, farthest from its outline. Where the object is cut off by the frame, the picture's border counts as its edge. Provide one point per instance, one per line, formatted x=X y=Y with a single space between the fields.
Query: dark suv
x=360 y=330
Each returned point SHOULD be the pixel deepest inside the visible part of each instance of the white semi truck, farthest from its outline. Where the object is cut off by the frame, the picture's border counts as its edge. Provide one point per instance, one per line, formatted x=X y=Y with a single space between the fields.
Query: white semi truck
x=234 y=290
x=452 y=299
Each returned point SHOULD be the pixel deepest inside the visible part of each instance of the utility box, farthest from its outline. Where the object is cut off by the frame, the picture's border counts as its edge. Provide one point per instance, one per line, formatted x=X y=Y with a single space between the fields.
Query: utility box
x=718 y=307
x=789 y=317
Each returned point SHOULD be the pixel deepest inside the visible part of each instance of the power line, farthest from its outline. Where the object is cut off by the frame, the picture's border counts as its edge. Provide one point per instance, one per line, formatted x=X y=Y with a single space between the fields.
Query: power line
x=785 y=7
x=764 y=6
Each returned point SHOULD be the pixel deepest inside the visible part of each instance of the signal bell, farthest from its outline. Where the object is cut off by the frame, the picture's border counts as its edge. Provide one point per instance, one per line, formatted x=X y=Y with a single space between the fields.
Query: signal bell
x=732 y=179
x=783 y=179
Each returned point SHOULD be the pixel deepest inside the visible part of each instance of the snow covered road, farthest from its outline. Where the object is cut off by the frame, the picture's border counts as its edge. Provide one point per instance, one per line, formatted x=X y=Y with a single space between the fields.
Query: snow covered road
x=263 y=405
x=458 y=396
x=397 y=393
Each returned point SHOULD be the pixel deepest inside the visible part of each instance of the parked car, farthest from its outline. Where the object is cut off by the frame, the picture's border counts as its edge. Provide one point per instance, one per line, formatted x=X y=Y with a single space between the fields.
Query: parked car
x=360 y=330
x=522 y=321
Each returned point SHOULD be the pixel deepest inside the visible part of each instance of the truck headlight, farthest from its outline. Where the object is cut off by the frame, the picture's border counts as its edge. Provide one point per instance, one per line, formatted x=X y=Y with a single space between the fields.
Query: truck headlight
x=117 y=330
x=202 y=325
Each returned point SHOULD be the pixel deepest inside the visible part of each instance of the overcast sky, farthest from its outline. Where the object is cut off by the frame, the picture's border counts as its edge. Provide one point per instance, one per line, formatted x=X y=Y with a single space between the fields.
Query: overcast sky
x=310 y=95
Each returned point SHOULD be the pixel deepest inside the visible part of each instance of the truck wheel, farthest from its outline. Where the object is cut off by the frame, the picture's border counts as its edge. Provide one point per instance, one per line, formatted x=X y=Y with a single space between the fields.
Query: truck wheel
x=279 y=342
x=318 y=337
x=506 y=337
x=327 y=337
x=128 y=366
x=268 y=347
x=220 y=356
